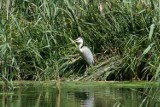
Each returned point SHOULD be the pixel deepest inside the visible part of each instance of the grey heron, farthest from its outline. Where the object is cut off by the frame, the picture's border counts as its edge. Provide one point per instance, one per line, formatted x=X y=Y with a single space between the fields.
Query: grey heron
x=85 y=52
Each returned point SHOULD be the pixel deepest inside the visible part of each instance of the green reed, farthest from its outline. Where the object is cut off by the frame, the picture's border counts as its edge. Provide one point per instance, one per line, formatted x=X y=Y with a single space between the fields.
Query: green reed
x=36 y=35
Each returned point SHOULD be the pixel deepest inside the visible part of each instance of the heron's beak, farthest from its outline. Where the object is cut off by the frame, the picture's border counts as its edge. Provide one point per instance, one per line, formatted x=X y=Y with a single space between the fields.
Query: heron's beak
x=73 y=41
x=76 y=40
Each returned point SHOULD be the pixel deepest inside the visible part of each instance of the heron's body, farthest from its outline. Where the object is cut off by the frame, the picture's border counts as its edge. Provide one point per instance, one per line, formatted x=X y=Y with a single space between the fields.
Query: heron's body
x=87 y=55
x=85 y=52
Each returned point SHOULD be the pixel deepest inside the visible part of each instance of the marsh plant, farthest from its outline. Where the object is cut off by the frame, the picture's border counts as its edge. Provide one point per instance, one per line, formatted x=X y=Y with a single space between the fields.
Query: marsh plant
x=36 y=36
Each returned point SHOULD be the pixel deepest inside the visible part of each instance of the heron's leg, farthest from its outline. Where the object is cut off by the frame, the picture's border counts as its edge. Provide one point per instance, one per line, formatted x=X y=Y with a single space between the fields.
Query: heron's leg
x=85 y=73
x=93 y=72
x=89 y=73
x=89 y=70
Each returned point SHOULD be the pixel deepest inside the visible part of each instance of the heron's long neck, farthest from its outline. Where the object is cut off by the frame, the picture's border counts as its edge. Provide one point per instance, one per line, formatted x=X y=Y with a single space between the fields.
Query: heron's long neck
x=80 y=46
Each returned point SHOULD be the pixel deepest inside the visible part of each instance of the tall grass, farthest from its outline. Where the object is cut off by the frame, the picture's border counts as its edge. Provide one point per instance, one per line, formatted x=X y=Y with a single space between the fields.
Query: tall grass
x=36 y=35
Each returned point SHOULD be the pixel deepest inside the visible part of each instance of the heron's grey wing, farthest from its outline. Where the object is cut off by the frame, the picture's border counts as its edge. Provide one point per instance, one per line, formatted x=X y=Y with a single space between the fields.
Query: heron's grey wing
x=87 y=55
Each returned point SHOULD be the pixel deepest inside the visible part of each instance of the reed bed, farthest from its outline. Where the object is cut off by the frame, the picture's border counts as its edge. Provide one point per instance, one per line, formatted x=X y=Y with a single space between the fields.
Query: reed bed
x=36 y=38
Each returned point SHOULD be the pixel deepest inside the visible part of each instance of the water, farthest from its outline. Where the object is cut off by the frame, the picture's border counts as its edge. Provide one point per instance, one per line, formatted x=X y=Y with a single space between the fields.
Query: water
x=81 y=96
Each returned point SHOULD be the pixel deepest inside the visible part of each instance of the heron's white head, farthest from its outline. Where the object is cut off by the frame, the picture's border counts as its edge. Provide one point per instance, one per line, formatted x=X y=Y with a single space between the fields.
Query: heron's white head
x=79 y=40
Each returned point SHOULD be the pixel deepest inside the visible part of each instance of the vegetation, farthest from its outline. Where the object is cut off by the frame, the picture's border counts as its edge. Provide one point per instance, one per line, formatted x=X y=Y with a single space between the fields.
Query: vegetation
x=36 y=38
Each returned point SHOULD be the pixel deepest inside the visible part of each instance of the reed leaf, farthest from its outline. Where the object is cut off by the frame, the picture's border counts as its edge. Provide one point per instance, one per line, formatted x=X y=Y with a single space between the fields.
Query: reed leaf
x=151 y=31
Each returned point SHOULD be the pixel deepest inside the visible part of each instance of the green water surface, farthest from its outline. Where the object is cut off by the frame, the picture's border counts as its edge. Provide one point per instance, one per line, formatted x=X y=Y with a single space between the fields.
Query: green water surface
x=81 y=94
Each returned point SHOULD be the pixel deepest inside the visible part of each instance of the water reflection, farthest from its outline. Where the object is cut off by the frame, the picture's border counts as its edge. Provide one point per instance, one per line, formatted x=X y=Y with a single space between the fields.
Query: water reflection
x=57 y=99
x=80 y=97
x=84 y=98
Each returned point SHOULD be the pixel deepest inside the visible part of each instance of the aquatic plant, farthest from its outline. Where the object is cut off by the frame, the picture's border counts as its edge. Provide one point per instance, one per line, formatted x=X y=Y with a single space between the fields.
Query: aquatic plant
x=36 y=35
